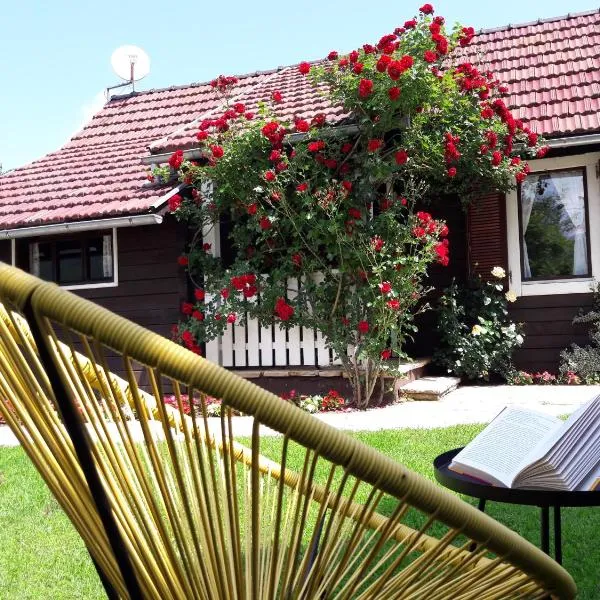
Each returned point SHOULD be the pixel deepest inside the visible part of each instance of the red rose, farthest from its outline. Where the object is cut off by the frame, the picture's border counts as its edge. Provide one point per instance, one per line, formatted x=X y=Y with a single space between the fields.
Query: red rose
x=199 y=294
x=319 y=120
x=176 y=159
x=217 y=151
x=275 y=155
x=276 y=96
x=382 y=63
x=487 y=113
x=419 y=232
x=333 y=55
x=265 y=223
x=429 y=56
x=385 y=287
x=270 y=176
x=206 y=247
x=252 y=208
x=374 y=145
x=483 y=149
x=394 y=304
x=346 y=148
x=442 y=249
x=358 y=68
x=496 y=158
x=302 y=126
x=410 y=24
x=281 y=166
x=401 y=157
x=231 y=318
x=225 y=293
x=532 y=138
x=363 y=326
x=347 y=185
x=283 y=310
x=183 y=261
x=304 y=68
x=520 y=177
x=369 y=49
x=365 y=88
x=542 y=152
x=297 y=259
x=444 y=230
x=175 y=202
x=394 y=93
x=275 y=197
x=239 y=107
x=201 y=135
x=344 y=62
x=199 y=316
x=218 y=317
x=354 y=213
x=426 y=9
x=316 y=146
x=187 y=308
x=377 y=243
x=353 y=56
x=249 y=116
x=452 y=172
x=302 y=187
x=386 y=354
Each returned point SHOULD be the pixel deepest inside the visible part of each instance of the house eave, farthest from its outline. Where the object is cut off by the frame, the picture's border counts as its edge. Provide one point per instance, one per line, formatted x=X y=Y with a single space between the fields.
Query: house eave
x=575 y=140
x=91 y=225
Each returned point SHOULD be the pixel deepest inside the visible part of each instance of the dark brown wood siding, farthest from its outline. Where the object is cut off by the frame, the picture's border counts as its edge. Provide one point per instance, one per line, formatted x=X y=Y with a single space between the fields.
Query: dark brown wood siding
x=5 y=254
x=487 y=234
x=151 y=284
x=549 y=328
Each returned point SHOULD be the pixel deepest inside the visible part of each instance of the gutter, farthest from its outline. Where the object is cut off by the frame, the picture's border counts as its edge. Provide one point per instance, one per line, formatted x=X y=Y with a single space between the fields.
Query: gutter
x=55 y=228
x=576 y=140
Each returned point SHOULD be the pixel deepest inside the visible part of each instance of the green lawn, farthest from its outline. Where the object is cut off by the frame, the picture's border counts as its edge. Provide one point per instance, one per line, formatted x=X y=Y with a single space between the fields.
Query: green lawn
x=41 y=556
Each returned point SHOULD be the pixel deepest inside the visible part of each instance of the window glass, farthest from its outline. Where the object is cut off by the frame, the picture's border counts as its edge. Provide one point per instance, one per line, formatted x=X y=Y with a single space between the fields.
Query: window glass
x=45 y=268
x=553 y=218
x=99 y=258
x=69 y=261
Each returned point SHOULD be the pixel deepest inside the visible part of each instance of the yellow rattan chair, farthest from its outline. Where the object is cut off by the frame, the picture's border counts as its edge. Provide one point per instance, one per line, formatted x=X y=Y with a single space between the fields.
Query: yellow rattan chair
x=174 y=506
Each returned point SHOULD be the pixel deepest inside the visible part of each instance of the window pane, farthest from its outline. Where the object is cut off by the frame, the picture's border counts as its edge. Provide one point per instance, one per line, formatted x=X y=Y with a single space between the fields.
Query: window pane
x=70 y=262
x=99 y=257
x=553 y=223
x=42 y=261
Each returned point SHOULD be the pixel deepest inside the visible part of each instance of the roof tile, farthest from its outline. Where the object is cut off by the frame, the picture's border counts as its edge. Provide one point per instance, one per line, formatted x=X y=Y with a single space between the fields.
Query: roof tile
x=552 y=68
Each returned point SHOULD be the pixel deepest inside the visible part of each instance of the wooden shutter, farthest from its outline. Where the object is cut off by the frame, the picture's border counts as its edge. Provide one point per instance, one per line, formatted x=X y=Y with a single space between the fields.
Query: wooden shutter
x=486 y=234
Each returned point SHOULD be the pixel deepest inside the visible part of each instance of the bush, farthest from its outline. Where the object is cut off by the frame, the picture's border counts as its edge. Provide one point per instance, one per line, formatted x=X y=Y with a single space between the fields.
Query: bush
x=585 y=362
x=477 y=339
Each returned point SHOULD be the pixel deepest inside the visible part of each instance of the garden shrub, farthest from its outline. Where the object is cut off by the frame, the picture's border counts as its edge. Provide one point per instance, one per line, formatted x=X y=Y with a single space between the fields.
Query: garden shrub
x=477 y=338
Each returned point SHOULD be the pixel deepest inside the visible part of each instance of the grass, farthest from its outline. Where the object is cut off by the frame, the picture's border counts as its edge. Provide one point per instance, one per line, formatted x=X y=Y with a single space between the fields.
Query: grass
x=41 y=556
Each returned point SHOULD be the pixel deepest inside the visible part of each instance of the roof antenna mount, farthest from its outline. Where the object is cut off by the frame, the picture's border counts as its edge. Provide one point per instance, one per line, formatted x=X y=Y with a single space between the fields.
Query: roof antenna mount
x=131 y=64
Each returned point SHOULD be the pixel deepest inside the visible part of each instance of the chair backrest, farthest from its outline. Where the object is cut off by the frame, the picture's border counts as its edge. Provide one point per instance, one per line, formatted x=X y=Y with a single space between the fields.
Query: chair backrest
x=172 y=503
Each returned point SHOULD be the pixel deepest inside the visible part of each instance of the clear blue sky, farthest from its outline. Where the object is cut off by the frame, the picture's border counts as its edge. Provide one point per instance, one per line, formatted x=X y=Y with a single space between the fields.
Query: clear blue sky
x=54 y=55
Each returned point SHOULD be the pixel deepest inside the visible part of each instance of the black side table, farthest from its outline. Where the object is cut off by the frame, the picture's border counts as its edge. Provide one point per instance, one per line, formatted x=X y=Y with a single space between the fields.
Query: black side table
x=463 y=484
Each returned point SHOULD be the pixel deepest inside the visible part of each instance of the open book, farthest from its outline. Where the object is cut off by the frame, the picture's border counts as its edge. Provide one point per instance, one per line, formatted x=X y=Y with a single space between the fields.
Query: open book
x=523 y=448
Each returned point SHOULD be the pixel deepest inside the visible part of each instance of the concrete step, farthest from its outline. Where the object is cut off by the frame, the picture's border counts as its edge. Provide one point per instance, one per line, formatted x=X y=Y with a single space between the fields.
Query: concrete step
x=429 y=388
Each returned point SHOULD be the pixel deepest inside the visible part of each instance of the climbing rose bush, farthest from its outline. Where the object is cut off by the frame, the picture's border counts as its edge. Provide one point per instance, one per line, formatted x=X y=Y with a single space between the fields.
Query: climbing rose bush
x=325 y=224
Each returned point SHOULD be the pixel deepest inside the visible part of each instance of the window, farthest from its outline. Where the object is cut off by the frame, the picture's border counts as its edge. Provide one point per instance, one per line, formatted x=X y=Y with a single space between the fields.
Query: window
x=550 y=223
x=75 y=261
x=554 y=230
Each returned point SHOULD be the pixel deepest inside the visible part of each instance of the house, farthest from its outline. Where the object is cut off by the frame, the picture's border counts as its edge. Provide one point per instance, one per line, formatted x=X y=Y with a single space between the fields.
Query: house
x=88 y=217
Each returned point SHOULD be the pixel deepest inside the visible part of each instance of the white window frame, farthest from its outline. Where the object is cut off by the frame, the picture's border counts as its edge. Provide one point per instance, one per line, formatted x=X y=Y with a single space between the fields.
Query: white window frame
x=579 y=285
x=88 y=286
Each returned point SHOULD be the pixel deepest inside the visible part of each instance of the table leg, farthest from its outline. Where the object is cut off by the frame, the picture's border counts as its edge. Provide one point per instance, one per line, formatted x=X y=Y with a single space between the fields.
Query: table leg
x=545 y=529
x=481 y=505
x=557 y=536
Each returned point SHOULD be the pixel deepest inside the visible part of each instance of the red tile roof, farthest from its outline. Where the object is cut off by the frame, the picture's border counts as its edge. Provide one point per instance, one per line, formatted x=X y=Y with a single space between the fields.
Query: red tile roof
x=552 y=68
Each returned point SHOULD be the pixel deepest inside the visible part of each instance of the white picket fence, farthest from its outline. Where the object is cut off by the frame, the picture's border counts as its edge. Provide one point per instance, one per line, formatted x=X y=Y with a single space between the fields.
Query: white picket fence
x=253 y=346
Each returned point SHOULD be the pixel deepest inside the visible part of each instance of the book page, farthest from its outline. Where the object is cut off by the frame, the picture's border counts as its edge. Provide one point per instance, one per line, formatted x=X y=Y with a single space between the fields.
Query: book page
x=502 y=449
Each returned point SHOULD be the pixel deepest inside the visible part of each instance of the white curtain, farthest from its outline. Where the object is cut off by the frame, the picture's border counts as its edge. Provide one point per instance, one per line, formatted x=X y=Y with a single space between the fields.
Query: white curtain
x=107 y=256
x=570 y=189
x=527 y=199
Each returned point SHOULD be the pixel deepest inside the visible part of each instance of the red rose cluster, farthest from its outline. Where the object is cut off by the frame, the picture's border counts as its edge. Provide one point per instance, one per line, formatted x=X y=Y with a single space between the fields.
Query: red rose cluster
x=245 y=283
x=176 y=159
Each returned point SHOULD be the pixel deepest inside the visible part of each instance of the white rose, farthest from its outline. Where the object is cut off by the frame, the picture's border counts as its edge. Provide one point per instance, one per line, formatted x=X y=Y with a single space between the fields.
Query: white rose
x=477 y=329
x=510 y=296
x=498 y=272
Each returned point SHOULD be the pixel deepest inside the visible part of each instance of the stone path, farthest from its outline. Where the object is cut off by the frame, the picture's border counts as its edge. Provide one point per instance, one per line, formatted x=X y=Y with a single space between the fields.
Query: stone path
x=472 y=404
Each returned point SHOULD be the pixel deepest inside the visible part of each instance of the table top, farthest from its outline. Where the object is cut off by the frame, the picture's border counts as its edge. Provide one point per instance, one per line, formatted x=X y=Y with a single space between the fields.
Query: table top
x=476 y=488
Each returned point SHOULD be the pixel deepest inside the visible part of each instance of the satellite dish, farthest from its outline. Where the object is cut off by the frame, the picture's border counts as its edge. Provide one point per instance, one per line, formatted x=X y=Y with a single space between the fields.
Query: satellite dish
x=130 y=63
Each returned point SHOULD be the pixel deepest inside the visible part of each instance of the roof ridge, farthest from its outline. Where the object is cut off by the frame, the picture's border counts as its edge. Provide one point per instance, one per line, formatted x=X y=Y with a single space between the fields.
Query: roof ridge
x=538 y=21
x=201 y=83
